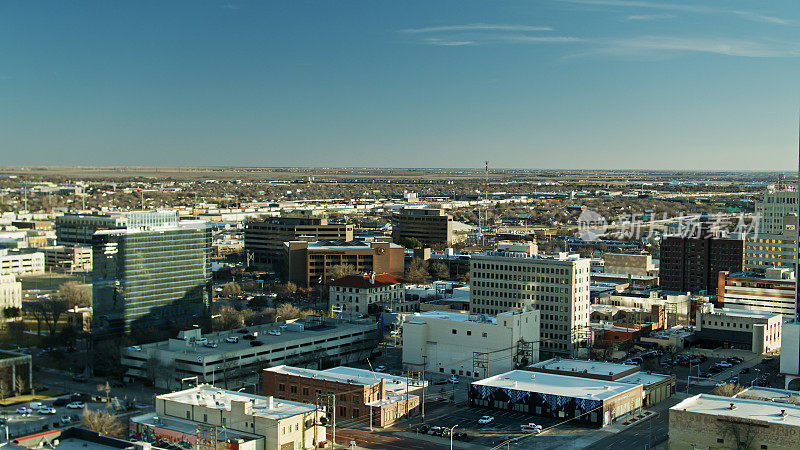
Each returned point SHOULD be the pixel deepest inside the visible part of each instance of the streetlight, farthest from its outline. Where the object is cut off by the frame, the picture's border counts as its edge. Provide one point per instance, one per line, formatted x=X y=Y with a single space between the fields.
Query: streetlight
x=451 y=436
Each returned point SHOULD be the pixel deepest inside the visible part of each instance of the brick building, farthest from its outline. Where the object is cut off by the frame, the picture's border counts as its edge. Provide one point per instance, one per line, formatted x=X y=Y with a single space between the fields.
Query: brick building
x=307 y=262
x=691 y=264
x=360 y=394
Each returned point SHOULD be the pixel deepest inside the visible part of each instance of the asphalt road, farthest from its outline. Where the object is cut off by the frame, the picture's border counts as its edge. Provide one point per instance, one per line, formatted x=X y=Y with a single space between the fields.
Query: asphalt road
x=650 y=433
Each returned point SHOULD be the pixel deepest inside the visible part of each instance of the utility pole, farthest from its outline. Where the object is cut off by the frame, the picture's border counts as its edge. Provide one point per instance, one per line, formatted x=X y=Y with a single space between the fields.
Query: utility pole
x=328 y=403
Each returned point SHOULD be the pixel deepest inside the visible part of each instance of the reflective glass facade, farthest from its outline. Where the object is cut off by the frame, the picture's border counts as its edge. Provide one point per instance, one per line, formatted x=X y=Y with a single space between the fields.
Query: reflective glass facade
x=148 y=280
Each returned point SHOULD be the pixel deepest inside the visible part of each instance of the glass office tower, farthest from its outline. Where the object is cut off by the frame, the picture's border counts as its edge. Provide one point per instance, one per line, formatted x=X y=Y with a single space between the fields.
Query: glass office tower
x=152 y=278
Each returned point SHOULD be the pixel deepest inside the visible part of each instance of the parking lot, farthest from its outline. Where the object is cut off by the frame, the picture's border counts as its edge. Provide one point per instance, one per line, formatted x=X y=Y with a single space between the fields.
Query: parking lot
x=19 y=422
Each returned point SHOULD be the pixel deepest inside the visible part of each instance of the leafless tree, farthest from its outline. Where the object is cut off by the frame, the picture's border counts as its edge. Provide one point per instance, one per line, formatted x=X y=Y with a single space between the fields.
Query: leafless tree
x=231 y=289
x=417 y=272
x=228 y=318
x=287 y=311
x=103 y=423
x=341 y=270
x=742 y=431
x=75 y=295
x=727 y=389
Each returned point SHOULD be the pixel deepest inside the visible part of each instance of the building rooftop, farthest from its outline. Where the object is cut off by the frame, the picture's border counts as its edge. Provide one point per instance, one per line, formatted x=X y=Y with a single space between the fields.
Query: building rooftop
x=451 y=315
x=758 y=410
x=748 y=313
x=584 y=366
x=643 y=378
x=563 y=385
x=220 y=399
x=769 y=394
x=367 y=281
x=187 y=426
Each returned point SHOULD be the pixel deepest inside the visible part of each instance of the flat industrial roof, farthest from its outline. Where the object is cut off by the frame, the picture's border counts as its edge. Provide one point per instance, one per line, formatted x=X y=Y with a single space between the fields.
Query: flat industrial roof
x=563 y=385
x=580 y=365
x=215 y=398
x=450 y=315
x=186 y=426
x=769 y=394
x=736 y=312
x=643 y=378
x=760 y=410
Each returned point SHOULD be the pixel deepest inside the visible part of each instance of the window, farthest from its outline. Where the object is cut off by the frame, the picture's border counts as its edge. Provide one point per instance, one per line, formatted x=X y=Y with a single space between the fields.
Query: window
x=454 y=331
x=469 y=332
x=484 y=335
x=205 y=417
x=305 y=391
x=282 y=387
x=188 y=414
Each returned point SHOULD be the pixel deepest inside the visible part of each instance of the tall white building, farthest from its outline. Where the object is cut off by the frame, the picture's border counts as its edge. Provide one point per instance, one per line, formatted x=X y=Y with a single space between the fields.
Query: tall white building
x=515 y=276
x=21 y=262
x=765 y=250
x=10 y=292
x=779 y=201
x=474 y=345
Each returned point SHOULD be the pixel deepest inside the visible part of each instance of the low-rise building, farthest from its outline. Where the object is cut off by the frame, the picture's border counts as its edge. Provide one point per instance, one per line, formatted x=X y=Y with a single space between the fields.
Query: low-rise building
x=306 y=263
x=355 y=295
x=172 y=433
x=771 y=292
x=655 y=387
x=757 y=331
x=66 y=258
x=21 y=262
x=587 y=400
x=711 y=421
x=475 y=345
x=376 y=398
x=284 y=424
x=232 y=356
x=629 y=264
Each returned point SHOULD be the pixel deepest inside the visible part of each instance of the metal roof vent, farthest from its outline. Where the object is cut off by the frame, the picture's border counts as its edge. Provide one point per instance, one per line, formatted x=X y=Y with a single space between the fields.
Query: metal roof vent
x=733 y=406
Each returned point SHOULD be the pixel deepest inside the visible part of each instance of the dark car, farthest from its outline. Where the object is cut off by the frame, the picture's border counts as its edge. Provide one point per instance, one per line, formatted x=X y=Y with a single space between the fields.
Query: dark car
x=61 y=402
x=249 y=337
x=79 y=378
x=460 y=436
x=256 y=343
x=118 y=384
x=745 y=370
x=423 y=429
x=242 y=331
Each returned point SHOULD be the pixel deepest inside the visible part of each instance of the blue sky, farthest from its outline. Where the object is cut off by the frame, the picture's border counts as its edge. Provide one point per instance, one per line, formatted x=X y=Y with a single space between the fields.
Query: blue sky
x=539 y=84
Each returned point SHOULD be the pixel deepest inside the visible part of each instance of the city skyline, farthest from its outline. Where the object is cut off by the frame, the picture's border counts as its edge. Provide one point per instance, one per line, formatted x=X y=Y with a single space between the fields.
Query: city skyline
x=550 y=84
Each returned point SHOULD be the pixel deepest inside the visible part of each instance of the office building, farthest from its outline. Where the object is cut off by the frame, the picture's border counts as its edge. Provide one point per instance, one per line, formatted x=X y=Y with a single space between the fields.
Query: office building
x=10 y=292
x=777 y=202
x=765 y=250
x=371 y=397
x=585 y=400
x=790 y=354
x=629 y=264
x=691 y=264
x=756 y=331
x=283 y=424
x=372 y=294
x=474 y=345
x=432 y=227
x=151 y=278
x=226 y=357
x=771 y=292
x=515 y=276
x=265 y=238
x=21 y=262
x=306 y=263
x=78 y=228
x=67 y=258
x=711 y=421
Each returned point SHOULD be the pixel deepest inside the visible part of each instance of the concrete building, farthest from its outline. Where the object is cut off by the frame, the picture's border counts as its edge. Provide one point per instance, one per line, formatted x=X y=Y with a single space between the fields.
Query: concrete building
x=790 y=354
x=586 y=400
x=227 y=357
x=777 y=202
x=16 y=366
x=308 y=262
x=771 y=292
x=10 y=292
x=765 y=250
x=715 y=422
x=432 y=227
x=76 y=437
x=78 y=229
x=447 y=342
x=678 y=309
x=757 y=331
x=655 y=387
x=265 y=238
x=355 y=295
x=376 y=398
x=629 y=264
x=691 y=264
x=515 y=276
x=151 y=277
x=21 y=262
x=284 y=424
x=67 y=258
x=171 y=433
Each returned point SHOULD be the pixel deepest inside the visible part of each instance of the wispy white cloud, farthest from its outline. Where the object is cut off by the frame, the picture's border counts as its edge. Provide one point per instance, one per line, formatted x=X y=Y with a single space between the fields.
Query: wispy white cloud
x=648 y=17
x=446 y=42
x=697 y=9
x=661 y=46
x=476 y=27
x=230 y=6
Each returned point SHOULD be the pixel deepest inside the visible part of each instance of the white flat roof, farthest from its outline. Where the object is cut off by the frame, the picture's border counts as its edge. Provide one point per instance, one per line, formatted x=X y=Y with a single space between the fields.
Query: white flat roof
x=643 y=378
x=736 y=312
x=563 y=385
x=449 y=315
x=211 y=397
x=759 y=410
x=580 y=365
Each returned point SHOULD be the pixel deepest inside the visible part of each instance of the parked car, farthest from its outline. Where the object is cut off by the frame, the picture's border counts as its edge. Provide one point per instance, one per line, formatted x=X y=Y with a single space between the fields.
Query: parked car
x=35 y=405
x=243 y=331
x=24 y=411
x=256 y=343
x=65 y=420
x=380 y=369
x=46 y=410
x=79 y=378
x=76 y=405
x=436 y=431
x=61 y=402
x=274 y=333
x=744 y=371
x=485 y=419
x=248 y=337
x=232 y=339
x=210 y=345
x=423 y=429
x=530 y=428
x=441 y=382
x=453 y=379
x=459 y=435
